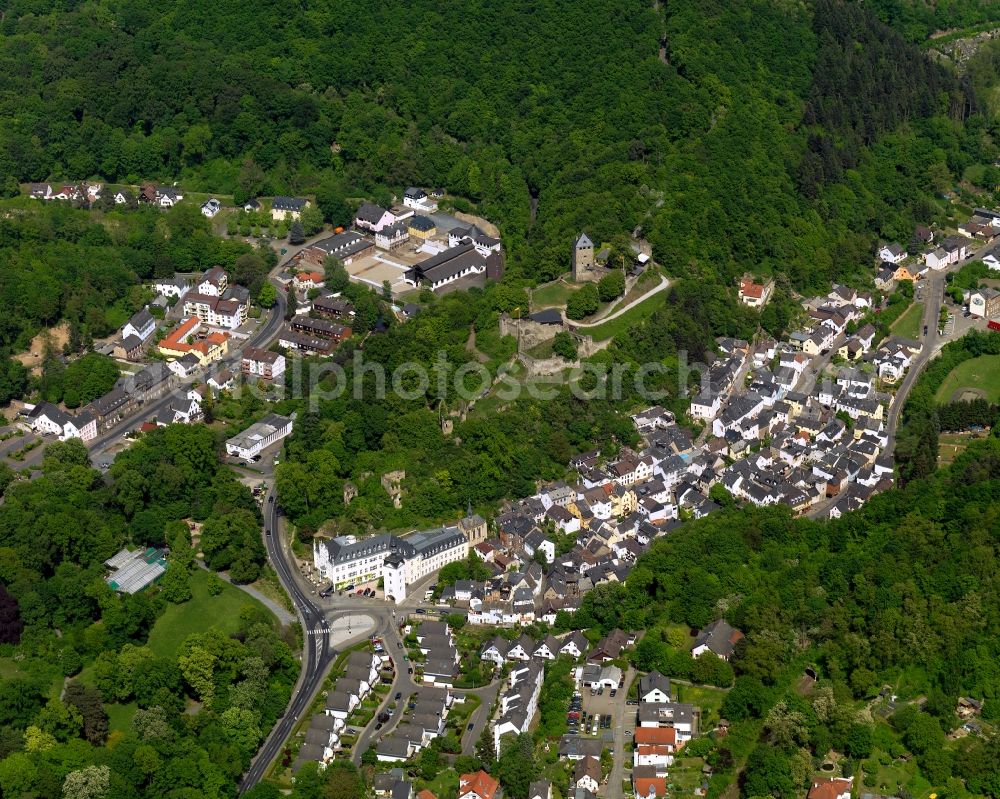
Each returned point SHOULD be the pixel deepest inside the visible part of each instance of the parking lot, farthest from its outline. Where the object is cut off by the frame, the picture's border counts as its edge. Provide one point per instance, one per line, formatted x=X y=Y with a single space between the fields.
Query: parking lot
x=21 y=449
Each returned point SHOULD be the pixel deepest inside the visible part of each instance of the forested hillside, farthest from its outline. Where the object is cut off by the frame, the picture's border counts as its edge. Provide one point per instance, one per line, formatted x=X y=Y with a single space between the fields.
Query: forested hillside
x=731 y=147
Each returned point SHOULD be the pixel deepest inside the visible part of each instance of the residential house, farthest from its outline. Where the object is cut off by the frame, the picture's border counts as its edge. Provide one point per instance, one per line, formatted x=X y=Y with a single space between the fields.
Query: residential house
x=609 y=647
x=129 y=348
x=478 y=785
x=419 y=200
x=540 y=789
x=985 y=303
x=392 y=236
x=654 y=687
x=287 y=208
x=47 y=419
x=421 y=227
x=892 y=253
x=263 y=363
x=483 y=242
x=654 y=746
x=719 y=638
x=186 y=337
x=830 y=788
x=333 y=308
x=647 y=784
x=304 y=281
x=575 y=645
x=755 y=294
x=587 y=773
x=373 y=218
x=142 y=325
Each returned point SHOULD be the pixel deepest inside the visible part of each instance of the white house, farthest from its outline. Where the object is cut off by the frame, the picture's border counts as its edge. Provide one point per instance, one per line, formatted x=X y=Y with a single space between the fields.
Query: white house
x=142 y=325
x=419 y=200
x=706 y=405
x=654 y=687
x=46 y=419
x=893 y=253
x=391 y=236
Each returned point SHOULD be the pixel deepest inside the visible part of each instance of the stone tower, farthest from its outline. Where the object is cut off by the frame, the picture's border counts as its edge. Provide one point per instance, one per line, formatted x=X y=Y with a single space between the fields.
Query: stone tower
x=583 y=258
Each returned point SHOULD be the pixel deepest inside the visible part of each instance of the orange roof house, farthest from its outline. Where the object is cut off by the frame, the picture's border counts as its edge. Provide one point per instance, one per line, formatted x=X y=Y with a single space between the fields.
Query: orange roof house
x=425 y=794
x=478 y=785
x=210 y=348
x=753 y=293
x=650 y=786
x=830 y=788
x=657 y=736
x=309 y=279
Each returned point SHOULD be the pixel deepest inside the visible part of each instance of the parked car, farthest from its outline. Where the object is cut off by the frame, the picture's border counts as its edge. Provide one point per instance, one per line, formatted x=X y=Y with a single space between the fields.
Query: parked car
x=421 y=611
x=614 y=692
x=399 y=644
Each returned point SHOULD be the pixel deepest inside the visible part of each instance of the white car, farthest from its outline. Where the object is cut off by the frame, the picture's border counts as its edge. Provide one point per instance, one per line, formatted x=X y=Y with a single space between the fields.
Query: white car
x=211 y=208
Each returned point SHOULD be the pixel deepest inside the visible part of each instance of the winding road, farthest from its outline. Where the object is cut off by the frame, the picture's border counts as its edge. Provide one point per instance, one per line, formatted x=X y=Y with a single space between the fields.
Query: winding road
x=663 y=285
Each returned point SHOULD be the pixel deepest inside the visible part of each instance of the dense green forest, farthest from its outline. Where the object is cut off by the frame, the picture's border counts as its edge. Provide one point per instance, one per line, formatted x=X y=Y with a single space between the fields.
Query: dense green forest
x=60 y=619
x=733 y=147
x=902 y=593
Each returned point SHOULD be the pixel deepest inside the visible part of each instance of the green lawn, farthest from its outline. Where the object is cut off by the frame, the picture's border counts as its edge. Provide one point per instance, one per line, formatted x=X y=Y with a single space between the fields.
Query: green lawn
x=909 y=324
x=702 y=696
x=460 y=712
x=200 y=613
x=622 y=323
x=554 y=294
x=982 y=373
x=893 y=775
x=444 y=784
x=120 y=716
x=12 y=670
x=685 y=775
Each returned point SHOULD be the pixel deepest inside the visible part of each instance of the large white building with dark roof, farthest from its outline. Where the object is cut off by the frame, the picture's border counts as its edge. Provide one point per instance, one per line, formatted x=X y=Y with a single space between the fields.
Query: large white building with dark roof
x=398 y=561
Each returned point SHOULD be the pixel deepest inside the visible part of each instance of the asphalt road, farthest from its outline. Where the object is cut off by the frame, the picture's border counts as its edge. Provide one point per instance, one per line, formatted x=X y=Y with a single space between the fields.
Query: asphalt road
x=933 y=291
x=317 y=654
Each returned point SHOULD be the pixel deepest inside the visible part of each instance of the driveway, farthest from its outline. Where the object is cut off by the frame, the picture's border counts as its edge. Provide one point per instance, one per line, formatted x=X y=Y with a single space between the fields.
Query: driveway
x=621 y=725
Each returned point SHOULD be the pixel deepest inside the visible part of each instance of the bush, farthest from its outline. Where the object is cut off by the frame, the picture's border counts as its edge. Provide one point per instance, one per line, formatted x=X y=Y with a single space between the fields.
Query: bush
x=564 y=345
x=611 y=285
x=215 y=584
x=583 y=302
